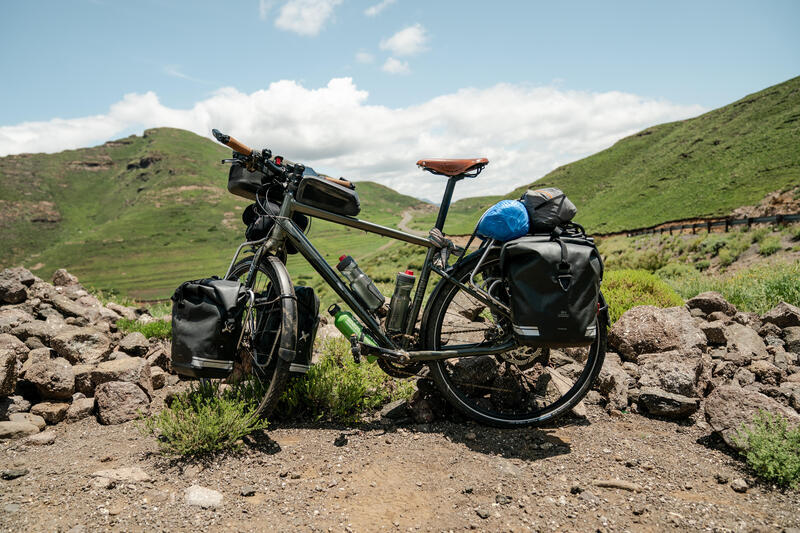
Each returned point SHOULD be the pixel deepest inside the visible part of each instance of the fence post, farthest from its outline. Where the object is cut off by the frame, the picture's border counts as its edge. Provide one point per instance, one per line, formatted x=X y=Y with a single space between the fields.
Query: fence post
x=693 y=229
x=727 y=224
x=749 y=222
x=708 y=226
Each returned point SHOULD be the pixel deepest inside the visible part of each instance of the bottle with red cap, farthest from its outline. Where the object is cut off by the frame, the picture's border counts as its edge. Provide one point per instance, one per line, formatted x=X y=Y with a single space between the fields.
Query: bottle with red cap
x=360 y=283
x=401 y=301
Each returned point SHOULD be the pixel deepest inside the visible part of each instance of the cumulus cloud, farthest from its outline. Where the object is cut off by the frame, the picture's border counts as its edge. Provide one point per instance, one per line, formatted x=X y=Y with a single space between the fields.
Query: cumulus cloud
x=525 y=131
x=395 y=66
x=364 y=57
x=373 y=10
x=406 y=42
x=305 y=17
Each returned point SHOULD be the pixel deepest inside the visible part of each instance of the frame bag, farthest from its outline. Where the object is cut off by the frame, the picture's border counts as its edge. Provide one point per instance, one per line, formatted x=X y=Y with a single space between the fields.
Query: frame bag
x=554 y=286
x=206 y=326
x=321 y=193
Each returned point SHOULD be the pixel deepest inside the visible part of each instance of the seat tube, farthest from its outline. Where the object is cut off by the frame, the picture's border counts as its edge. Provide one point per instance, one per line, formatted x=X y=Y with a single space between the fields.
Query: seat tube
x=446 y=199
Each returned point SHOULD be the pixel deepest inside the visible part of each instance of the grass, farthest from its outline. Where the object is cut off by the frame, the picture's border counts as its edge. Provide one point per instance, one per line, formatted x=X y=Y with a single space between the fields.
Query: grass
x=624 y=289
x=769 y=245
x=339 y=389
x=206 y=419
x=772 y=449
x=158 y=329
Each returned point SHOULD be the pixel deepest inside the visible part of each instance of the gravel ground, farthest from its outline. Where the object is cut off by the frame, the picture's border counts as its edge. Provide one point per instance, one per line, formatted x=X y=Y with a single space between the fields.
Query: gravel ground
x=618 y=472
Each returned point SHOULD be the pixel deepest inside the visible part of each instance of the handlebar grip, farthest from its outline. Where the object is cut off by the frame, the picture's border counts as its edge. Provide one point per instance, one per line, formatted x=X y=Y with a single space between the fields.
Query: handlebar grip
x=341 y=182
x=232 y=143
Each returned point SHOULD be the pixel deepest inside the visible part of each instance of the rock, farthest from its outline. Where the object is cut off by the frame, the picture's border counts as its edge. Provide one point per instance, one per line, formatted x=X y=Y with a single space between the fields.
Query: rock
x=53 y=379
x=744 y=344
x=672 y=372
x=135 y=344
x=617 y=484
x=158 y=377
x=15 y=430
x=11 y=317
x=660 y=403
x=791 y=339
x=767 y=328
x=751 y=320
x=649 y=329
x=709 y=302
x=35 y=356
x=44 y=331
x=198 y=496
x=718 y=316
x=783 y=315
x=161 y=358
x=247 y=491
x=8 y=372
x=729 y=407
x=13 y=404
x=765 y=372
x=739 y=485
x=714 y=332
x=697 y=313
x=12 y=291
x=37 y=421
x=34 y=343
x=130 y=474
x=81 y=345
x=80 y=409
x=613 y=382
x=52 y=412
x=44 y=438
x=482 y=513
x=130 y=369
x=13 y=473
x=125 y=312
x=421 y=409
x=744 y=377
x=120 y=401
x=394 y=410
x=70 y=308
x=62 y=278
x=782 y=359
x=340 y=441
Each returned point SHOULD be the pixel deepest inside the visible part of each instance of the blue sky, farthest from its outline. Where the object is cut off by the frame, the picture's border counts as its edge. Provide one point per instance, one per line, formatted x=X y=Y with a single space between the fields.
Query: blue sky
x=567 y=78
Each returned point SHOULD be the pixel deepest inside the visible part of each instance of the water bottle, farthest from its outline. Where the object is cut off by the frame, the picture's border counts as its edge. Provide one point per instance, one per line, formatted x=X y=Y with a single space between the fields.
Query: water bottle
x=360 y=283
x=349 y=326
x=401 y=301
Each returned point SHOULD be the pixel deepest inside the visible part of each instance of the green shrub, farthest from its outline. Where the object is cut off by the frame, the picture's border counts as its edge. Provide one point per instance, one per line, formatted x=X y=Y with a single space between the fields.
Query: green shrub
x=772 y=449
x=794 y=232
x=205 y=419
x=703 y=264
x=713 y=243
x=340 y=389
x=675 y=270
x=158 y=329
x=769 y=245
x=624 y=289
x=758 y=235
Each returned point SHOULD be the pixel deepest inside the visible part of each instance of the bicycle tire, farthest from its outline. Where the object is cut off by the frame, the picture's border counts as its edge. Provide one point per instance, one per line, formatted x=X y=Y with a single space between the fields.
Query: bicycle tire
x=485 y=399
x=274 y=374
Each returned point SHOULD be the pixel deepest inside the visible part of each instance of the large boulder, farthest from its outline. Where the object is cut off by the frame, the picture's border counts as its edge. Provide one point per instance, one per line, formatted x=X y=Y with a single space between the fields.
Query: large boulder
x=52 y=412
x=710 y=302
x=42 y=330
x=648 y=329
x=613 y=382
x=120 y=401
x=12 y=290
x=729 y=407
x=783 y=315
x=81 y=345
x=70 y=308
x=744 y=344
x=672 y=372
x=11 y=317
x=8 y=372
x=135 y=344
x=53 y=378
x=81 y=408
x=129 y=369
x=661 y=403
x=15 y=430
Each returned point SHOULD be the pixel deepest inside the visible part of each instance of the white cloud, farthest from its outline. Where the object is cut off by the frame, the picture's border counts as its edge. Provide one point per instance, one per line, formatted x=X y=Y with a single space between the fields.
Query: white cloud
x=305 y=17
x=263 y=8
x=364 y=57
x=373 y=10
x=407 y=42
x=525 y=131
x=395 y=66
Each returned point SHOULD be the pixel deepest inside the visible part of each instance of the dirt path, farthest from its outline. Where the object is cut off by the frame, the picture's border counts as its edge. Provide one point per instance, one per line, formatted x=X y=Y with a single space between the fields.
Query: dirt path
x=408 y=216
x=440 y=477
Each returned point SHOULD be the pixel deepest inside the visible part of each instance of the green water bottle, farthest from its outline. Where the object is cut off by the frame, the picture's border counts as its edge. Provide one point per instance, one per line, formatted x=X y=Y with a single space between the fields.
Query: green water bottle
x=348 y=325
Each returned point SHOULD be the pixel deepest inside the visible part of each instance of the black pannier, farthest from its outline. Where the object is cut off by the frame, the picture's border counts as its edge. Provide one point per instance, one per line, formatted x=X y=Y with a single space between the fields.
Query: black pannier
x=554 y=287
x=206 y=325
x=244 y=183
x=547 y=209
x=307 y=324
x=319 y=192
x=259 y=221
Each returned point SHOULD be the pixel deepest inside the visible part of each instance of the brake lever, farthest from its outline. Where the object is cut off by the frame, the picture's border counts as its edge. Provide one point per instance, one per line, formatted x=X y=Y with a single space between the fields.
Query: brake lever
x=232 y=160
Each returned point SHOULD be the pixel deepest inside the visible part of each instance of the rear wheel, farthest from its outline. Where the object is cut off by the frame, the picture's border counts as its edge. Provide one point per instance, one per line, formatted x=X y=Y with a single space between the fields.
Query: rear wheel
x=522 y=386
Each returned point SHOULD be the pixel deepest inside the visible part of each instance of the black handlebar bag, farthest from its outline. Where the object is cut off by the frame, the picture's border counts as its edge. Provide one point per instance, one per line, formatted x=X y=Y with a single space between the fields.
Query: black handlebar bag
x=206 y=326
x=554 y=287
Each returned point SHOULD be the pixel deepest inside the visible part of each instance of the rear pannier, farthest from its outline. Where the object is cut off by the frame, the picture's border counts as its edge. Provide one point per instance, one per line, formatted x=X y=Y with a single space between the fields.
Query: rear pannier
x=547 y=209
x=554 y=287
x=206 y=325
x=319 y=192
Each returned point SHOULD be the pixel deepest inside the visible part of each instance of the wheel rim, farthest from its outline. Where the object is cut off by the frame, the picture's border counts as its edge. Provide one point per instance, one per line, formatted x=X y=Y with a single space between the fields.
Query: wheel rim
x=523 y=385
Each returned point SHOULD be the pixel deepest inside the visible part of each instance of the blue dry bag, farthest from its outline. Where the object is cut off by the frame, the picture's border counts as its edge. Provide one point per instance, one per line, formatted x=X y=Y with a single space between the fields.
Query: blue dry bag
x=504 y=221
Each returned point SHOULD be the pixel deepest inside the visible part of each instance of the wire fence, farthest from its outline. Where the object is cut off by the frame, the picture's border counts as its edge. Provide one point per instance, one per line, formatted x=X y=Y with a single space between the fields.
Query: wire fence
x=710 y=224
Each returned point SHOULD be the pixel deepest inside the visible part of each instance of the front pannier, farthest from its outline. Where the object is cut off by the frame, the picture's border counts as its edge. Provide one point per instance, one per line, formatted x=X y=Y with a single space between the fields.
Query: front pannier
x=206 y=325
x=547 y=209
x=307 y=324
x=319 y=192
x=554 y=287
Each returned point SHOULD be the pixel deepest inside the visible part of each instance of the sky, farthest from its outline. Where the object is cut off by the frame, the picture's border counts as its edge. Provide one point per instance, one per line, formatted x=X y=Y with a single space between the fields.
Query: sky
x=363 y=89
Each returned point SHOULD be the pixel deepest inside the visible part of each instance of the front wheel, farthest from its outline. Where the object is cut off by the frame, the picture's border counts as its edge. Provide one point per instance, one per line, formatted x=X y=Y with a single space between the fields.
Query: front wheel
x=523 y=386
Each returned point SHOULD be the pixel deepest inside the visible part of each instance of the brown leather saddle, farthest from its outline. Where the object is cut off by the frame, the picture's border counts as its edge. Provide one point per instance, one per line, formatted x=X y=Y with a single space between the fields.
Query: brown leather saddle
x=454 y=167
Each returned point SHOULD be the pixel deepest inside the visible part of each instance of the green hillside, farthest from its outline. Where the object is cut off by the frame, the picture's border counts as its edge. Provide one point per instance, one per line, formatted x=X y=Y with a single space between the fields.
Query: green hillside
x=708 y=165
x=141 y=214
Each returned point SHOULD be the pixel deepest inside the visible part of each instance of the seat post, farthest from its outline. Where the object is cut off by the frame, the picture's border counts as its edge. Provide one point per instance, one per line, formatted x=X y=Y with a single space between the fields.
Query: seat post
x=446 y=199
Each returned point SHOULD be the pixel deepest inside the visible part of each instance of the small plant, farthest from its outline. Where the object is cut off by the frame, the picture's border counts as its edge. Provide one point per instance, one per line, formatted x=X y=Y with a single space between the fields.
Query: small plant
x=769 y=245
x=624 y=289
x=158 y=329
x=758 y=235
x=772 y=449
x=206 y=419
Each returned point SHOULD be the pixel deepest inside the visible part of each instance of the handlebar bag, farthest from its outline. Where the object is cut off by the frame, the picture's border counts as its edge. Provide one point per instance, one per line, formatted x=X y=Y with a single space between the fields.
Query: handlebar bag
x=318 y=192
x=547 y=209
x=244 y=183
x=553 y=283
x=259 y=219
x=206 y=326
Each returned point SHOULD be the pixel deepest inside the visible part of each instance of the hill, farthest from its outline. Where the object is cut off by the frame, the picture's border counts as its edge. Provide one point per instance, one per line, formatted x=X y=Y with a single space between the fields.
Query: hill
x=141 y=214
x=708 y=165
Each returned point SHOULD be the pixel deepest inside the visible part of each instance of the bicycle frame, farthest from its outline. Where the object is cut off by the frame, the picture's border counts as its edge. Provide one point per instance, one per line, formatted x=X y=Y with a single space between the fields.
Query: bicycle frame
x=286 y=229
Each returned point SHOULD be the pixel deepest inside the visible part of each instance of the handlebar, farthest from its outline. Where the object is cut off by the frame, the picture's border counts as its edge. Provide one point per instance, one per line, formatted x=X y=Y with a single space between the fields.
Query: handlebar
x=232 y=143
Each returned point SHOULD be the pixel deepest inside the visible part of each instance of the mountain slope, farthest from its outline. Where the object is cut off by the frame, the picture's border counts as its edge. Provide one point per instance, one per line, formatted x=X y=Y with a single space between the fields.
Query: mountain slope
x=708 y=165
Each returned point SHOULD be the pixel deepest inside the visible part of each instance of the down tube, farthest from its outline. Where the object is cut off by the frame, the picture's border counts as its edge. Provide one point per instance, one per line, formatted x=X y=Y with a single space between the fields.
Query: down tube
x=307 y=250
